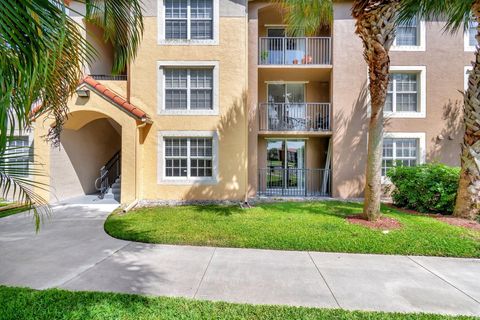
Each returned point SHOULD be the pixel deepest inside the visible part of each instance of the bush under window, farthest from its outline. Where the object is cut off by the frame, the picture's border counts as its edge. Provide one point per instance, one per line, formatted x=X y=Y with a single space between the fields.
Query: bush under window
x=425 y=188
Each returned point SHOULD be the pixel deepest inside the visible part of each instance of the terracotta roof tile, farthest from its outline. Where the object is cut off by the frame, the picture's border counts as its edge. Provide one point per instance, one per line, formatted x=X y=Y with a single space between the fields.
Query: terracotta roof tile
x=115 y=98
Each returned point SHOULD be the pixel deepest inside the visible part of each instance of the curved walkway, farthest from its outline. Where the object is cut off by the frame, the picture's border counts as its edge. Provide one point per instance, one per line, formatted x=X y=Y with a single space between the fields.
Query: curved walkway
x=72 y=251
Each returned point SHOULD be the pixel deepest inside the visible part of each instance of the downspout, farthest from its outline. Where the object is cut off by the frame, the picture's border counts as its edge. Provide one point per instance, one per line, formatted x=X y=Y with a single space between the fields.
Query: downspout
x=246 y=107
x=128 y=82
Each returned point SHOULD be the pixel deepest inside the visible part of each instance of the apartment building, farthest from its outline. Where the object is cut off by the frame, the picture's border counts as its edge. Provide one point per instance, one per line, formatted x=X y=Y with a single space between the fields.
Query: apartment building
x=222 y=104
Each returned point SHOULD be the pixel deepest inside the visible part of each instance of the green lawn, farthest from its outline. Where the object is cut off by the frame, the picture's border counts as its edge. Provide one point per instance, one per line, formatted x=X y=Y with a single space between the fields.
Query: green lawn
x=316 y=226
x=28 y=304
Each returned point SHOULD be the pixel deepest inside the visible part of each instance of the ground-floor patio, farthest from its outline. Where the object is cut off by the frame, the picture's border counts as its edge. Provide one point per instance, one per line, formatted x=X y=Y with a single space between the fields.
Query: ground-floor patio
x=72 y=251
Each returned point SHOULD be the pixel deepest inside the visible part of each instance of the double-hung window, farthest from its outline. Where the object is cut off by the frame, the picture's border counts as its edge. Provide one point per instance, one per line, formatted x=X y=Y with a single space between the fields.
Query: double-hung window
x=18 y=155
x=407 y=33
x=188 y=88
x=470 y=36
x=189 y=19
x=399 y=152
x=402 y=94
x=188 y=157
x=410 y=36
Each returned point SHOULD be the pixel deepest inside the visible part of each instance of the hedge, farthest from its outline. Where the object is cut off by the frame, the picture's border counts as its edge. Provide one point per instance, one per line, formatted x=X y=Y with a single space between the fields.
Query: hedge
x=425 y=188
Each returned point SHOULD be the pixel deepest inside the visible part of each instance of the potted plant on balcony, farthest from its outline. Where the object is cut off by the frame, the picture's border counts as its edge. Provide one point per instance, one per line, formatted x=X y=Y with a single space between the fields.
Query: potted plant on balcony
x=307 y=59
x=264 y=56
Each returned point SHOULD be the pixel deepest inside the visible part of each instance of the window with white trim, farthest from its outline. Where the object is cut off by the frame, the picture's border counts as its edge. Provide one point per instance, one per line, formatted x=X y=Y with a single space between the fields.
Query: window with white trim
x=472 y=33
x=20 y=147
x=399 y=152
x=188 y=88
x=188 y=157
x=408 y=33
x=402 y=94
x=189 y=19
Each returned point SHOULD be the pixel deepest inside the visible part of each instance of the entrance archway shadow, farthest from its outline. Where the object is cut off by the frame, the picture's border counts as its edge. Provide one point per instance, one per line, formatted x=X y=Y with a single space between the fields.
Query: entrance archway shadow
x=84 y=149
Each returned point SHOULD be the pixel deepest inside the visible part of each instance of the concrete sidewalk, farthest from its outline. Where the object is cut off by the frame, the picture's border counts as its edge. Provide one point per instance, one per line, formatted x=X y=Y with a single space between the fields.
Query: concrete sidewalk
x=72 y=251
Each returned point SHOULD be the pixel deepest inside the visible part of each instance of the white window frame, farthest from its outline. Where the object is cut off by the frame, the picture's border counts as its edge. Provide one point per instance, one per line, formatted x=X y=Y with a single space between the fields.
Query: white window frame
x=421 y=37
x=161 y=28
x=421 y=153
x=466 y=41
x=466 y=75
x=163 y=179
x=188 y=64
x=421 y=96
x=29 y=135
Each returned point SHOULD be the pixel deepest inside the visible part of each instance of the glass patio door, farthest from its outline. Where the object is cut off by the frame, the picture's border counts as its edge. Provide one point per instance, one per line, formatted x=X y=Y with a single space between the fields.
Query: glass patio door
x=285 y=49
x=295 y=164
x=286 y=106
x=285 y=165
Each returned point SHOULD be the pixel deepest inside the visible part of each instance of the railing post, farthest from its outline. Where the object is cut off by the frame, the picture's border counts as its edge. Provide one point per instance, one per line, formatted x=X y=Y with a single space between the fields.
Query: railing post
x=307 y=51
x=306 y=182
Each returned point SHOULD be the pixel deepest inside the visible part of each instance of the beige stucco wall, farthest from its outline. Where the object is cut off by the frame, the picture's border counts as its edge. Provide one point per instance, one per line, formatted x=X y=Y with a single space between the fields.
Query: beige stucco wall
x=444 y=60
x=230 y=123
x=101 y=62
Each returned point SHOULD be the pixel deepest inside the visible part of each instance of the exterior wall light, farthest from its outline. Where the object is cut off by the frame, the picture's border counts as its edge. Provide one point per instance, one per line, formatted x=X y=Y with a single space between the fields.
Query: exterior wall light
x=84 y=93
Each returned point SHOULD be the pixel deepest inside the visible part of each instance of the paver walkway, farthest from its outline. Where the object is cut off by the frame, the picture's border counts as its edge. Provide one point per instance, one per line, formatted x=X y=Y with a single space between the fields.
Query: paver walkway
x=72 y=251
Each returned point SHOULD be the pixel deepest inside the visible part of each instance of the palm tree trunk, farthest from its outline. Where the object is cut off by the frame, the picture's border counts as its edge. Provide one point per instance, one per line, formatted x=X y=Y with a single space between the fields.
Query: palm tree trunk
x=376 y=27
x=468 y=194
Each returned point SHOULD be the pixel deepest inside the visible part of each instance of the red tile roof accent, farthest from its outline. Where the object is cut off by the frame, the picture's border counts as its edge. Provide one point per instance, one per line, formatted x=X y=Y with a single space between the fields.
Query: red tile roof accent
x=115 y=98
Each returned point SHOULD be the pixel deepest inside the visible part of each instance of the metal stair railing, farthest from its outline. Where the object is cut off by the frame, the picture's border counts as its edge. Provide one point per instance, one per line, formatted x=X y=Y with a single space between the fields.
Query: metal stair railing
x=108 y=174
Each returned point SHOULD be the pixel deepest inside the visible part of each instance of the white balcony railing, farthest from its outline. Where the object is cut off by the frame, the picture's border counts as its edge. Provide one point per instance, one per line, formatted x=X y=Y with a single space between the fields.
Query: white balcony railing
x=294 y=116
x=109 y=77
x=294 y=51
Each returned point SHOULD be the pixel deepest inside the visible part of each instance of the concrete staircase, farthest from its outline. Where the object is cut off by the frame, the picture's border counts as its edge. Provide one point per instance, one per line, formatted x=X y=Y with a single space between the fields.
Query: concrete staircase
x=114 y=191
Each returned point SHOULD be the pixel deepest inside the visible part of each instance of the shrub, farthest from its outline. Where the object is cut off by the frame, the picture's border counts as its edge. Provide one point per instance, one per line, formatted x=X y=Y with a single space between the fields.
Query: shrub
x=425 y=188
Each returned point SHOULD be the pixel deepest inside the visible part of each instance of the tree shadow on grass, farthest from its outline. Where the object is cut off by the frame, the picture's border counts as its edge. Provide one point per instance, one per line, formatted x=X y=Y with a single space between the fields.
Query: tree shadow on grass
x=220 y=210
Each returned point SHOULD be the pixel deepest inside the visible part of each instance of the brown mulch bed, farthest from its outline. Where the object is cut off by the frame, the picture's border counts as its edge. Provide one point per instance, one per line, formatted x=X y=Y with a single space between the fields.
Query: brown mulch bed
x=384 y=223
x=459 y=222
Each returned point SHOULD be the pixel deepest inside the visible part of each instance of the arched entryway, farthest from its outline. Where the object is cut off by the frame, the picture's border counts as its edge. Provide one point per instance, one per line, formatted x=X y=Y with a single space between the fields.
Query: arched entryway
x=88 y=160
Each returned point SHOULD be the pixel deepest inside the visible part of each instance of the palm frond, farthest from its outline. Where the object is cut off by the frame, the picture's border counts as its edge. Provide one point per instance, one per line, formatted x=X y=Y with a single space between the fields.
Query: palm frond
x=305 y=17
x=456 y=13
x=122 y=23
x=16 y=183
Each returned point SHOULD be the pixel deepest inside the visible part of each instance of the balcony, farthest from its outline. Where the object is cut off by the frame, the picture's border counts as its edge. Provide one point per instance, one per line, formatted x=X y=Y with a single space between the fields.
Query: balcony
x=312 y=117
x=109 y=77
x=293 y=182
x=290 y=51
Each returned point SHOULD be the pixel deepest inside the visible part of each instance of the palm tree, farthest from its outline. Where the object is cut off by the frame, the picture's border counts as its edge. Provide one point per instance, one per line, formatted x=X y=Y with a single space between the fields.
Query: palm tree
x=375 y=25
x=457 y=16
x=42 y=56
